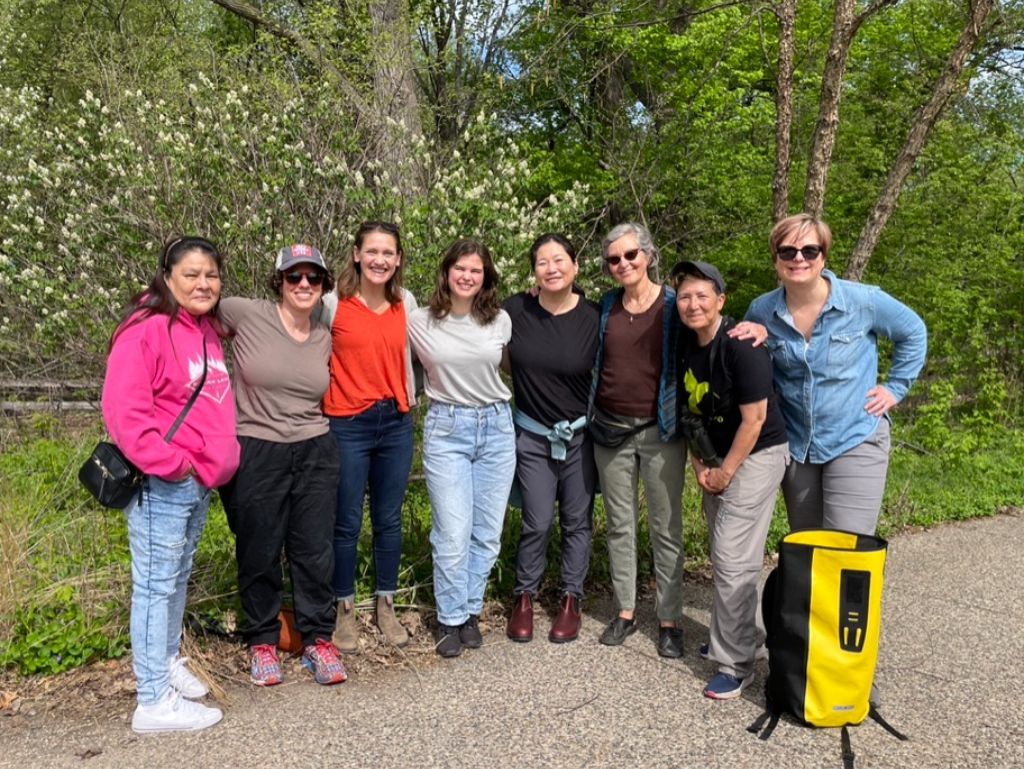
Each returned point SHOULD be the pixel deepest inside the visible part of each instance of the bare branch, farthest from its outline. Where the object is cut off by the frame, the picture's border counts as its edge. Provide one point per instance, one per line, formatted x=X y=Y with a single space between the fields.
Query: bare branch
x=361 y=107
x=921 y=126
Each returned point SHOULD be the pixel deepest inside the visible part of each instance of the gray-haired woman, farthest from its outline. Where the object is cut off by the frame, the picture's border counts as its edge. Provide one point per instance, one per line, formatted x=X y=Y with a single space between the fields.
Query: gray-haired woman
x=634 y=394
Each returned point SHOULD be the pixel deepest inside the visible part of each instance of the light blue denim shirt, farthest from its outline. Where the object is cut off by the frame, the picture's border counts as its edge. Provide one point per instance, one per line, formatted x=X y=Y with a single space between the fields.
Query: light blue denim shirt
x=823 y=384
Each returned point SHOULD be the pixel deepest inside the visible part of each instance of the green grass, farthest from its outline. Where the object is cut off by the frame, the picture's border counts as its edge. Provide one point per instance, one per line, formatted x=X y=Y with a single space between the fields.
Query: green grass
x=65 y=578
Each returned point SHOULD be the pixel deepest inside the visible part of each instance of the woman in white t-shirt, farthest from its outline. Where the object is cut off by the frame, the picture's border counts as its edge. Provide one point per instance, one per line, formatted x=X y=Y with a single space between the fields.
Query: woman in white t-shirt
x=468 y=437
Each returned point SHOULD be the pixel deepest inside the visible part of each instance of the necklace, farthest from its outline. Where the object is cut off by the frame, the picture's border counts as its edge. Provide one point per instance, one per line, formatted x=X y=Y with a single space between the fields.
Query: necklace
x=644 y=303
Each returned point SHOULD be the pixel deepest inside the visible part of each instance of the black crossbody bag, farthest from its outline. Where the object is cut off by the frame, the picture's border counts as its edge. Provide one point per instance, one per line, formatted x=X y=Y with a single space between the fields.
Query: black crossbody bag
x=109 y=475
x=606 y=431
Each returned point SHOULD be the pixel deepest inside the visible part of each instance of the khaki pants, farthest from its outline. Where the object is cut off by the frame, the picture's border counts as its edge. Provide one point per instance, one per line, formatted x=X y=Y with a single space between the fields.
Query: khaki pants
x=738 y=522
x=660 y=466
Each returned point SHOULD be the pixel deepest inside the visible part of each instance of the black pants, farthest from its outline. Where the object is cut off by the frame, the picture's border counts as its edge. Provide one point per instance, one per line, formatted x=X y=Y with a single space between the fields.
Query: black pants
x=544 y=482
x=284 y=497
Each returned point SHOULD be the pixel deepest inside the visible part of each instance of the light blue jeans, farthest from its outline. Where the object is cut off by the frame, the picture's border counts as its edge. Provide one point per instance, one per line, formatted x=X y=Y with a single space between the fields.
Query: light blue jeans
x=164 y=527
x=469 y=458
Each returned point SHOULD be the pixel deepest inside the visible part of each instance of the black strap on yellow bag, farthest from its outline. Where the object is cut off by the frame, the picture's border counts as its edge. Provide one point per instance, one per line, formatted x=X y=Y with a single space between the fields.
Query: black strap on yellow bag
x=822 y=613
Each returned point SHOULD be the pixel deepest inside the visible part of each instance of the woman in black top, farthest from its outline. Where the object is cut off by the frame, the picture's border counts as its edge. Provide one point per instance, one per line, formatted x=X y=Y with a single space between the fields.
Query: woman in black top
x=551 y=358
x=739 y=463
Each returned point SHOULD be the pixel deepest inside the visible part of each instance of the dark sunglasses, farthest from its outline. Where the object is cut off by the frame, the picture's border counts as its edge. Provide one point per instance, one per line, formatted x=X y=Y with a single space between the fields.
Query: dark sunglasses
x=629 y=256
x=314 y=278
x=809 y=253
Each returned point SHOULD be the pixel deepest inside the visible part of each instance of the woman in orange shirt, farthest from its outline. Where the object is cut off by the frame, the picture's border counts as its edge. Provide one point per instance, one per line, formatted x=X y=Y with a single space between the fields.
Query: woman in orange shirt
x=368 y=404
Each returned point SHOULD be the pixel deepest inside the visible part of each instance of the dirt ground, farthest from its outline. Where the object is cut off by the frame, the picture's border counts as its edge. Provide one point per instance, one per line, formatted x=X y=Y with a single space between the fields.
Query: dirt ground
x=106 y=690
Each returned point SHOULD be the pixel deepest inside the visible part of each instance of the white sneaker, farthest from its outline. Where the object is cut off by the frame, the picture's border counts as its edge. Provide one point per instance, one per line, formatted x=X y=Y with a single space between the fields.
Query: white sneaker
x=182 y=680
x=174 y=714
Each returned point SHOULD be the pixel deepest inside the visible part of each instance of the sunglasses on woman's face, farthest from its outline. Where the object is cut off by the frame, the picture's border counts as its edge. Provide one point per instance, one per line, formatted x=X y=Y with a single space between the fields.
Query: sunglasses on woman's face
x=629 y=256
x=809 y=253
x=314 y=278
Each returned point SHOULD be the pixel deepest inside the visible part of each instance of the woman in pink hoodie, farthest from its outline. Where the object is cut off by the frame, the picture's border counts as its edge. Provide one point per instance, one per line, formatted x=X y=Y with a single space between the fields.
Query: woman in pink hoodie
x=164 y=349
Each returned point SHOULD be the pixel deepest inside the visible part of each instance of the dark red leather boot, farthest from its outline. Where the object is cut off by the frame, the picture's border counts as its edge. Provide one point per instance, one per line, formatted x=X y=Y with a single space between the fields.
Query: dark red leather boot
x=520 y=624
x=567 y=623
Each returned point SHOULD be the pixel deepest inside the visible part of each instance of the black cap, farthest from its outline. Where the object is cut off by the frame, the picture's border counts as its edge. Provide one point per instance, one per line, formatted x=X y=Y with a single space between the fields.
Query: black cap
x=700 y=269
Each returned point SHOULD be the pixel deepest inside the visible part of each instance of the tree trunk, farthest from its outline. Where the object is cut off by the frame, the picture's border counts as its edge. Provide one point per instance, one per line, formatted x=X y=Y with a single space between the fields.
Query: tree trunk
x=786 y=12
x=921 y=127
x=394 y=83
x=844 y=28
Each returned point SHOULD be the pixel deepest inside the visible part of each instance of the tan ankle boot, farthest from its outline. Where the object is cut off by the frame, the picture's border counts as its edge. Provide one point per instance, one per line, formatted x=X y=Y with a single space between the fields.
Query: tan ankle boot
x=388 y=623
x=346 y=628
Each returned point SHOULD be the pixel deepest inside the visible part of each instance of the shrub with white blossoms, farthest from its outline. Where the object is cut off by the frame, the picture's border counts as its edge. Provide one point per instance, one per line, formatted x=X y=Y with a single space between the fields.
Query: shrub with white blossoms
x=89 y=193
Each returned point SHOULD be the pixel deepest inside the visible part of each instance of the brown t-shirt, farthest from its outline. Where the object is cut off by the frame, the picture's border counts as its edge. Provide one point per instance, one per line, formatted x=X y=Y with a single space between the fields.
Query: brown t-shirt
x=278 y=381
x=631 y=365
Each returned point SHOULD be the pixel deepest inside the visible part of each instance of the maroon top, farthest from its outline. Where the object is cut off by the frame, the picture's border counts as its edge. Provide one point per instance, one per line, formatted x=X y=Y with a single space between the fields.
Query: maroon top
x=632 y=361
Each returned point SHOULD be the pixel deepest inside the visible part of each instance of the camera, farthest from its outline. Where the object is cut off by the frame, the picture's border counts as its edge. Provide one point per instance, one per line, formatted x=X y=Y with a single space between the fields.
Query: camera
x=696 y=434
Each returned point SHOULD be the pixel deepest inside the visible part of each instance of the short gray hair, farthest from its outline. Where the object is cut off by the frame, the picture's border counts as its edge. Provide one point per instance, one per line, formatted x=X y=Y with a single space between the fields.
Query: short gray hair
x=643 y=241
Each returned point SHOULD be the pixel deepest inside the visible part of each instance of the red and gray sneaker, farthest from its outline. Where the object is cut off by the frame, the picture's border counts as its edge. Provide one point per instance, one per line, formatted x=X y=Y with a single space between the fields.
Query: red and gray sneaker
x=265 y=668
x=322 y=658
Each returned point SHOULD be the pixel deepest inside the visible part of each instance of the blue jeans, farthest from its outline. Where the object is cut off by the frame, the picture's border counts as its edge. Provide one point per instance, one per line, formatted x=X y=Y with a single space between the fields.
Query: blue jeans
x=469 y=458
x=164 y=526
x=375 y=446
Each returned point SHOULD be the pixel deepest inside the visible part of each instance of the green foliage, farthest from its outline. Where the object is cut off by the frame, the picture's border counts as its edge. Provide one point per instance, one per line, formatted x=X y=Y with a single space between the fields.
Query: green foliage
x=926 y=489
x=58 y=636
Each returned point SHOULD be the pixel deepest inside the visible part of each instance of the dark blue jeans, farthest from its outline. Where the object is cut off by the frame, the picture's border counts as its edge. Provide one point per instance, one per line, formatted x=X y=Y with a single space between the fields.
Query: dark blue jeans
x=376 y=448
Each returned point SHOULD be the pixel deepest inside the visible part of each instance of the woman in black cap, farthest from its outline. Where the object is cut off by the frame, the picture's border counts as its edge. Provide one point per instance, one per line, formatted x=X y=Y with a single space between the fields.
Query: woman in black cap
x=739 y=452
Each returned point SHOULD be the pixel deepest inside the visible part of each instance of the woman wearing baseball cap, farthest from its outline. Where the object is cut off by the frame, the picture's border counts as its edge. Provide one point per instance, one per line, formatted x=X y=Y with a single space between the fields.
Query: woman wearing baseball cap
x=739 y=452
x=283 y=496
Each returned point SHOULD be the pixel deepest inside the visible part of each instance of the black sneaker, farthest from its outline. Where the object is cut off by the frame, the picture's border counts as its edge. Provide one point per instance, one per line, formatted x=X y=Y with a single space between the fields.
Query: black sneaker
x=670 y=642
x=617 y=631
x=469 y=633
x=448 y=643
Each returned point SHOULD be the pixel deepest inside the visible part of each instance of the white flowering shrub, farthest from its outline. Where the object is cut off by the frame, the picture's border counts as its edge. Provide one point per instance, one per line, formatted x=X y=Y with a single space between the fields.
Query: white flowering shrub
x=90 y=191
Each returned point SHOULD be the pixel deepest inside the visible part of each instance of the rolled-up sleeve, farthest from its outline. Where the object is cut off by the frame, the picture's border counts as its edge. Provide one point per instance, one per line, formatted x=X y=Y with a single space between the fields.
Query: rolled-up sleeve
x=909 y=336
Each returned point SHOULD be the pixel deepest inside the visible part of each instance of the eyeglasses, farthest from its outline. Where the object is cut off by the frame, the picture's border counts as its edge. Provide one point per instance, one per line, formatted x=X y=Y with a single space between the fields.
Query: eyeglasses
x=314 y=278
x=629 y=256
x=809 y=253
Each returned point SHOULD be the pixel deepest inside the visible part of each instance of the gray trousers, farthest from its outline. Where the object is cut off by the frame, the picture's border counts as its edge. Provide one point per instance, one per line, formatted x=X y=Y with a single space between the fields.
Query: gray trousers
x=844 y=493
x=661 y=467
x=544 y=482
x=738 y=522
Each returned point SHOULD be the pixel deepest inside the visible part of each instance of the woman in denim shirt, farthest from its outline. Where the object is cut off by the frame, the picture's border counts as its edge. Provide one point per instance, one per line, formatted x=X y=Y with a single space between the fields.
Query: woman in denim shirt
x=823 y=335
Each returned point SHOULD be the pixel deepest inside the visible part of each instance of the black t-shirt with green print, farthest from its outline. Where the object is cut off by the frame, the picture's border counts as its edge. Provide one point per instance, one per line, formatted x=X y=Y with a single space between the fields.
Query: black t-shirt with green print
x=714 y=390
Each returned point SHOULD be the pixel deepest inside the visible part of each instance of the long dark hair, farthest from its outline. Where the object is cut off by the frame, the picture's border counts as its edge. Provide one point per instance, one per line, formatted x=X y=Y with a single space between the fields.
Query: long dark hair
x=486 y=305
x=348 y=278
x=156 y=298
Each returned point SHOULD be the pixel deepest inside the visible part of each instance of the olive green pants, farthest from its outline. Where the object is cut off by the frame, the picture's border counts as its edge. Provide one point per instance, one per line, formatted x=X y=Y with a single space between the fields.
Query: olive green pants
x=660 y=467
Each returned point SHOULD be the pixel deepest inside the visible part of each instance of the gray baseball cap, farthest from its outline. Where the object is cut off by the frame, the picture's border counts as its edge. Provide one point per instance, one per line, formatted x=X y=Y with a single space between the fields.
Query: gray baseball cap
x=701 y=269
x=300 y=253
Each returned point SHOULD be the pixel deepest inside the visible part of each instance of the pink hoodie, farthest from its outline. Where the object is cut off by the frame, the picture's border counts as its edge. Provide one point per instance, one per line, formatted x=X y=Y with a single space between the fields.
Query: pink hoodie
x=150 y=375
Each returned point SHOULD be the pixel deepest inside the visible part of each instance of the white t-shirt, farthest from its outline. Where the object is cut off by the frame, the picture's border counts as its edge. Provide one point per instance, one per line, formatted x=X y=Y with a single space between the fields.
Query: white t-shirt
x=460 y=357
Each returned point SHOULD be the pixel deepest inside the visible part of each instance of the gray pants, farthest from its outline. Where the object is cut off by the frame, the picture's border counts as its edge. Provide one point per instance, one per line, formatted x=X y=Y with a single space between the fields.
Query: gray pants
x=738 y=523
x=644 y=457
x=844 y=493
x=543 y=482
